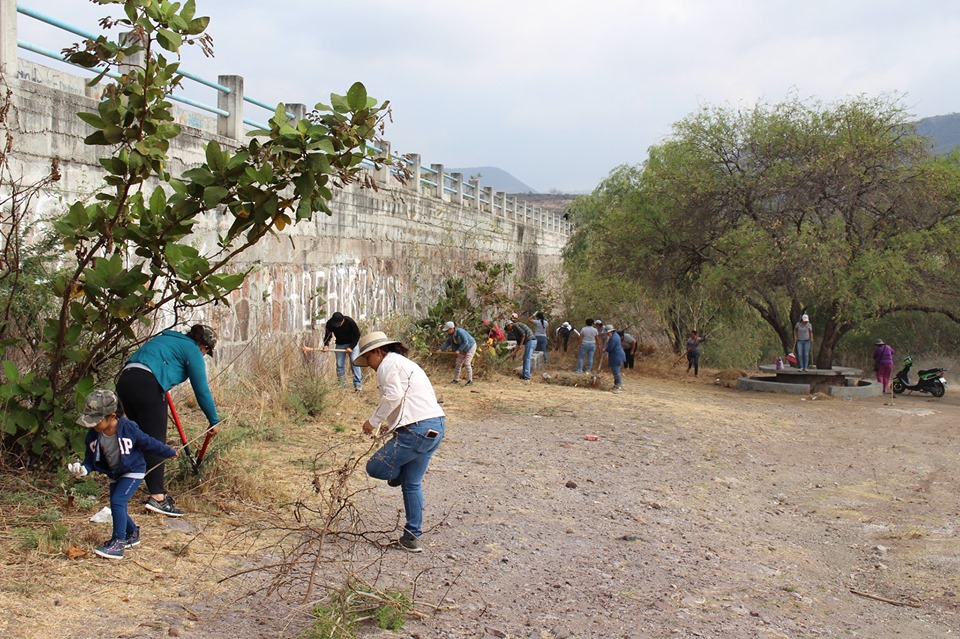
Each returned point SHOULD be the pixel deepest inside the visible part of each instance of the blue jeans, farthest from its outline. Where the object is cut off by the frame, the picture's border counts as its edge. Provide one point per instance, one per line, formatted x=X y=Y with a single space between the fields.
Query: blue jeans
x=542 y=346
x=617 y=380
x=529 y=347
x=342 y=364
x=693 y=361
x=803 y=353
x=586 y=349
x=120 y=493
x=407 y=455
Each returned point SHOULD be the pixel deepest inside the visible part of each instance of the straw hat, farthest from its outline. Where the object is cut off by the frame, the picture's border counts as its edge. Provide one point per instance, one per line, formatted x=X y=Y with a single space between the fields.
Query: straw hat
x=879 y=342
x=370 y=341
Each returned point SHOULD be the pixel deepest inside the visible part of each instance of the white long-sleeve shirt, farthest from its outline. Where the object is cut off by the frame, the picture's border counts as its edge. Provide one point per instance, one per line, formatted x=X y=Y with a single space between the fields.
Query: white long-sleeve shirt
x=406 y=394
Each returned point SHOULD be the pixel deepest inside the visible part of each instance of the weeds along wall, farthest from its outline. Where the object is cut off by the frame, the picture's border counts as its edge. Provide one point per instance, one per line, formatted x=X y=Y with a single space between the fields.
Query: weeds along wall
x=382 y=253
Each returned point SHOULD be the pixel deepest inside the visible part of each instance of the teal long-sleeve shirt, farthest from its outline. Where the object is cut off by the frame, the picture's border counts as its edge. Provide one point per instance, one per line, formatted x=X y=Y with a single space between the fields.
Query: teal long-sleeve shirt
x=173 y=358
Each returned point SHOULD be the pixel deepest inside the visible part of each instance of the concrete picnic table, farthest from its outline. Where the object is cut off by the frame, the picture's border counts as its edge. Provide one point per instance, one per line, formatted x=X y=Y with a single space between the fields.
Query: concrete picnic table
x=836 y=381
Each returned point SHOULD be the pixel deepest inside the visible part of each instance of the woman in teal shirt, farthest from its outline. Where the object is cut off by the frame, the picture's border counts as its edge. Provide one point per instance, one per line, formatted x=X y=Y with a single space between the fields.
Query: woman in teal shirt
x=164 y=361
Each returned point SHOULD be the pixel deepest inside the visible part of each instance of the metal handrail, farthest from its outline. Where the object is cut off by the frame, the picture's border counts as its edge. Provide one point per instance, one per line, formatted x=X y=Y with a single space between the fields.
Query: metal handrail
x=27 y=11
x=468 y=190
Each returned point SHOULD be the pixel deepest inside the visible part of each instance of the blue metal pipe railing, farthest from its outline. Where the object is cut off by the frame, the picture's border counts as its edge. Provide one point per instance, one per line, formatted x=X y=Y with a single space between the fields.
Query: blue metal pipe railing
x=264 y=105
x=27 y=11
x=469 y=190
x=59 y=56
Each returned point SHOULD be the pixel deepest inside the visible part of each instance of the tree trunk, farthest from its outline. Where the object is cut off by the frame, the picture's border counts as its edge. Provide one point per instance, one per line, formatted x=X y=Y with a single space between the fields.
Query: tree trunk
x=825 y=352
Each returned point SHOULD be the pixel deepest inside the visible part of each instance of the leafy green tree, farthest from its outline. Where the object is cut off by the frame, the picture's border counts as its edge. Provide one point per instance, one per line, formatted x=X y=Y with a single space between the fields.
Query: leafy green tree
x=839 y=211
x=613 y=277
x=489 y=282
x=129 y=252
x=466 y=300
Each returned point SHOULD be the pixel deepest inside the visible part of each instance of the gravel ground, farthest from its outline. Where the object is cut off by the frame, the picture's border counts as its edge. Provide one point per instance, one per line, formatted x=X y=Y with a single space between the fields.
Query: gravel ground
x=698 y=511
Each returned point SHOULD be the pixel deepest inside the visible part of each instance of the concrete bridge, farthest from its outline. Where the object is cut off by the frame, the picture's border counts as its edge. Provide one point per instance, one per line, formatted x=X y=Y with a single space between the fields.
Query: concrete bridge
x=381 y=253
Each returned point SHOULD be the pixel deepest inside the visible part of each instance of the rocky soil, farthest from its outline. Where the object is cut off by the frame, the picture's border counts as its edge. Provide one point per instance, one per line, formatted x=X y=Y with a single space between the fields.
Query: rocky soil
x=699 y=511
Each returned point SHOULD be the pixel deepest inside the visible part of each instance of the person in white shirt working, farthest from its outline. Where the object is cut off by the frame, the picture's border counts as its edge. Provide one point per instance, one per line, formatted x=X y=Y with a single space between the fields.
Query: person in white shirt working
x=411 y=417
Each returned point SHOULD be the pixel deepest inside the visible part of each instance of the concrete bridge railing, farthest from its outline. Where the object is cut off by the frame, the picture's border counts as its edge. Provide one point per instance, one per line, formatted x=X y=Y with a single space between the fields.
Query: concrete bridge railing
x=382 y=252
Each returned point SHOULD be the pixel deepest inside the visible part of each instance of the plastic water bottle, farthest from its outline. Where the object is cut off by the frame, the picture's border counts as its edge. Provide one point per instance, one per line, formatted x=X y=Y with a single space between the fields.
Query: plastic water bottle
x=779 y=364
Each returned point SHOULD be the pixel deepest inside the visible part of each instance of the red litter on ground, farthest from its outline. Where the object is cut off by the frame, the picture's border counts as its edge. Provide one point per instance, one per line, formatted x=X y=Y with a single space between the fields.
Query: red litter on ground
x=591 y=438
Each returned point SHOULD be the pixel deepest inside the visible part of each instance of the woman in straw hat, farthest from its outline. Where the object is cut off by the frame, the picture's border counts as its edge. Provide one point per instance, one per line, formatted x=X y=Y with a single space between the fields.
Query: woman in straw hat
x=412 y=418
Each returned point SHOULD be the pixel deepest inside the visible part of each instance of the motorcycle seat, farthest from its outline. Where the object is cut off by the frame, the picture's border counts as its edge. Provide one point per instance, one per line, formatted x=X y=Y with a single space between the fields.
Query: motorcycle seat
x=930 y=371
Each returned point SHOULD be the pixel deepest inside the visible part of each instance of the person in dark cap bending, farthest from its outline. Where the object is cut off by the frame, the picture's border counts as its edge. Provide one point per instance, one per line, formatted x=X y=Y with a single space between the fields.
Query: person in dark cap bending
x=345 y=333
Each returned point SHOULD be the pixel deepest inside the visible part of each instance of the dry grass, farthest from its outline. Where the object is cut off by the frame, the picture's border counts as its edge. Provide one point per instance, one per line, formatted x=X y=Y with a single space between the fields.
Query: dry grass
x=266 y=488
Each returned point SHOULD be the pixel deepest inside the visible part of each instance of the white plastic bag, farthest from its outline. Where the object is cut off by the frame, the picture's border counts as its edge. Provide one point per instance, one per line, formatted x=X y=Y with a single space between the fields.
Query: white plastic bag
x=104 y=516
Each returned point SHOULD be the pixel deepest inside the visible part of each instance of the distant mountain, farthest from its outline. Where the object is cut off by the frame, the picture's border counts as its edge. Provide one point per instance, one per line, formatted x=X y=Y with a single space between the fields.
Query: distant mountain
x=944 y=129
x=499 y=179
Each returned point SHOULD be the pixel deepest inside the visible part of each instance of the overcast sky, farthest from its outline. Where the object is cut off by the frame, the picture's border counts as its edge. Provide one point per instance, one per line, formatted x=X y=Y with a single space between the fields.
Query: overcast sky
x=557 y=92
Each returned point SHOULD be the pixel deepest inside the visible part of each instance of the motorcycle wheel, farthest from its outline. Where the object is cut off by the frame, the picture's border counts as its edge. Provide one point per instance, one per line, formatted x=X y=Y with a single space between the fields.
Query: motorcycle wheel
x=937 y=390
x=898 y=386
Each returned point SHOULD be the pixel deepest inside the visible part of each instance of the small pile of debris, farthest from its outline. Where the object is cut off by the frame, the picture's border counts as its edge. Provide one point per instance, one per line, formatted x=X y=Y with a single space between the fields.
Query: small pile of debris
x=581 y=380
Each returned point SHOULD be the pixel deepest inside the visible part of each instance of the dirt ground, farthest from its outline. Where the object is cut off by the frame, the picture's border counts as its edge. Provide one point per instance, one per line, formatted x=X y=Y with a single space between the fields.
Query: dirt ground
x=699 y=511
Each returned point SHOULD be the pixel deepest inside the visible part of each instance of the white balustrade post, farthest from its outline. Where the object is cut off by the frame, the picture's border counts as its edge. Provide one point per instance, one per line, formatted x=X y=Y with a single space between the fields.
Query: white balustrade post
x=488 y=193
x=475 y=183
x=231 y=126
x=137 y=59
x=439 y=178
x=8 y=40
x=383 y=173
x=298 y=110
x=415 y=167
x=457 y=188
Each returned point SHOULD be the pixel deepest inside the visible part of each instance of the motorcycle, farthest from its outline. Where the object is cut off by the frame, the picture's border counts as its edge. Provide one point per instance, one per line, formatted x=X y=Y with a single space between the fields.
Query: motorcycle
x=931 y=380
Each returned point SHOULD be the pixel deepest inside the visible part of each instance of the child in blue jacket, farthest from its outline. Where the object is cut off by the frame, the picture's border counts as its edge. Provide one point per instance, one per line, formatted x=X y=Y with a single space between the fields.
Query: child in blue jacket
x=115 y=446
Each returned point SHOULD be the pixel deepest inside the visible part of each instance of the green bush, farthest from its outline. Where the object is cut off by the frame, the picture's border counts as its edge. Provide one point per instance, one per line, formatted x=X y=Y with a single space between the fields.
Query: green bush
x=309 y=396
x=355 y=603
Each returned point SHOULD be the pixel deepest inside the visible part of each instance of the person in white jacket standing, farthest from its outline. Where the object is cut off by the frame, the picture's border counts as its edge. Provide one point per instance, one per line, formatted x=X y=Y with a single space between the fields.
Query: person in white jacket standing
x=411 y=417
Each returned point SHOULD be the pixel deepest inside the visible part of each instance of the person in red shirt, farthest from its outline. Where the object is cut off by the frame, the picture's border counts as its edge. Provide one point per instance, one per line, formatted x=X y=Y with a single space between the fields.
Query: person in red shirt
x=494 y=331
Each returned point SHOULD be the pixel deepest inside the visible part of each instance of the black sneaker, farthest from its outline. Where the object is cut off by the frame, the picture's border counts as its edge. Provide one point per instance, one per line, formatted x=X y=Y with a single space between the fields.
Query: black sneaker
x=133 y=539
x=454 y=381
x=113 y=549
x=470 y=383
x=164 y=507
x=408 y=542
x=396 y=481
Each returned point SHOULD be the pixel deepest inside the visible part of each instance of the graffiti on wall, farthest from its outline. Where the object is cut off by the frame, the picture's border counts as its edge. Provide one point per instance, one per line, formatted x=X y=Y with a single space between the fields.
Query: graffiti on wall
x=291 y=299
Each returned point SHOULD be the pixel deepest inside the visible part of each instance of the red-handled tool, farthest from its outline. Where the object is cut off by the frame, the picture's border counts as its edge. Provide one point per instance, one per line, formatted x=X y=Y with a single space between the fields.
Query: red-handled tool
x=194 y=460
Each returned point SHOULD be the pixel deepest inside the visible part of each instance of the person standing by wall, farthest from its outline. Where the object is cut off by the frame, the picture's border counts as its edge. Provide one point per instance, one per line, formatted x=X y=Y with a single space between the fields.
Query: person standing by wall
x=539 y=322
x=615 y=356
x=345 y=334
x=588 y=345
x=409 y=414
x=693 y=352
x=803 y=337
x=165 y=360
x=883 y=364
x=464 y=345
x=523 y=336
